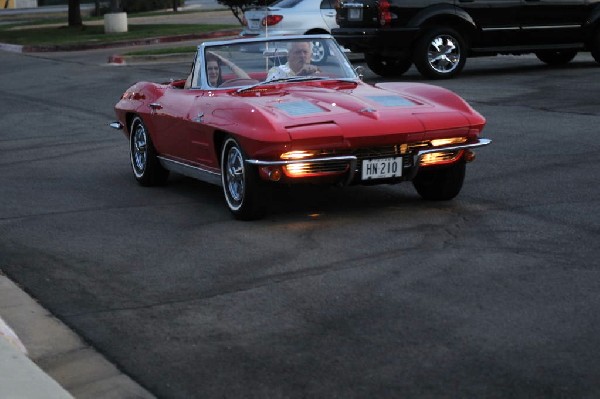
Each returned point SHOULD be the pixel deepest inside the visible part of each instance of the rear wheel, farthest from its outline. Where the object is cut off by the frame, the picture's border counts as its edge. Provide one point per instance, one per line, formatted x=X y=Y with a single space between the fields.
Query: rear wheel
x=440 y=53
x=556 y=57
x=319 y=52
x=144 y=161
x=595 y=45
x=440 y=184
x=387 y=66
x=241 y=185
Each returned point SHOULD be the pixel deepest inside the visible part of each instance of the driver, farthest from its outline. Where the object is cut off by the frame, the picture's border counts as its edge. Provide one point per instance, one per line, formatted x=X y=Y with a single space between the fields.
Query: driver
x=299 y=55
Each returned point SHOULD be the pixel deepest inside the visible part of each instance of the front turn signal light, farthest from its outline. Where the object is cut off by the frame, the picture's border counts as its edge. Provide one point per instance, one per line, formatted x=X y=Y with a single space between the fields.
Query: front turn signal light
x=299 y=154
x=448 y=141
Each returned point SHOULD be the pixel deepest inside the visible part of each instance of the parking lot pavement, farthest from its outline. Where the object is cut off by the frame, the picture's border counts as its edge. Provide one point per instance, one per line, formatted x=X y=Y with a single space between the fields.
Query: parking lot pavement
x=41 y=358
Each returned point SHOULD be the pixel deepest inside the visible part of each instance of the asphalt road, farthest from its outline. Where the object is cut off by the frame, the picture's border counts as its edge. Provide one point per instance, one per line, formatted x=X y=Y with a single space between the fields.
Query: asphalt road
x=360 y=292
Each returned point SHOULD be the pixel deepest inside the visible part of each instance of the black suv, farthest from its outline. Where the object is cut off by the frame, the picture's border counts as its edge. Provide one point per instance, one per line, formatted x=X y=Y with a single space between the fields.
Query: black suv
x=438 y=35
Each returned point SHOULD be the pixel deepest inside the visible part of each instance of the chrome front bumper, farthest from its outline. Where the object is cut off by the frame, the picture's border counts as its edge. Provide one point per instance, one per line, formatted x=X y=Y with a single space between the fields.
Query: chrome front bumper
x=352 y=161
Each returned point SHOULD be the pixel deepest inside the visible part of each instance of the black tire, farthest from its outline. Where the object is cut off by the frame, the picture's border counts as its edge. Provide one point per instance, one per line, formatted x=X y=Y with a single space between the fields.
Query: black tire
x=556 y=57
x=440 y=184
x=144 y=161
x=440 y=53
x=242 y=187
x=319 y=53
x=387 y=66
x=594 y=45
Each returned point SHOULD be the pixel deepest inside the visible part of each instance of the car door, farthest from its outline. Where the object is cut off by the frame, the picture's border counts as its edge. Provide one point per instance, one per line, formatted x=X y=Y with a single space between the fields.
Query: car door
x=169 y=128
x=554 y=21
x=328 y=13
x=497 y=21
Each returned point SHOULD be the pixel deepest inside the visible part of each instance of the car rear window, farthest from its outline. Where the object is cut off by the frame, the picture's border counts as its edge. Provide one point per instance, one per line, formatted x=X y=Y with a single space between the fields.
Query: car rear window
x=286 y=3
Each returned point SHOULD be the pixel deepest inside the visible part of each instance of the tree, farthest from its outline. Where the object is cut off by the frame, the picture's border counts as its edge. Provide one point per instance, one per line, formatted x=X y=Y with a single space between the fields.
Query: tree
x=175 y=3
x=115 y=6
x=238 y=7
x=75 y=13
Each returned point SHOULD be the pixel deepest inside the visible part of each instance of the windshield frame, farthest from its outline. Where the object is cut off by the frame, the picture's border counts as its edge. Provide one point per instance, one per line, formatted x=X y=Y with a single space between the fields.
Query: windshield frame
x=200 y=77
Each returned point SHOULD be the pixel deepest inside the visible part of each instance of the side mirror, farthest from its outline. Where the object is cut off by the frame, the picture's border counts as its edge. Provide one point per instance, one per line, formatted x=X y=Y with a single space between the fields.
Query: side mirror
x=360 y=71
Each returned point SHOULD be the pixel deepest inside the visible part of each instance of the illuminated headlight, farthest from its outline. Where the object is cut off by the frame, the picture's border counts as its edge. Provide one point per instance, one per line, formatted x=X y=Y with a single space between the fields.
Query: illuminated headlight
x=449 y=141
x=294 y=155
x=297 y=169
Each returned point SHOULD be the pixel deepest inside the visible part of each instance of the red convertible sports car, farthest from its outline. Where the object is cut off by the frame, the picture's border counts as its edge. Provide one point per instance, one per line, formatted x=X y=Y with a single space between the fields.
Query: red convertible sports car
x=255 y=112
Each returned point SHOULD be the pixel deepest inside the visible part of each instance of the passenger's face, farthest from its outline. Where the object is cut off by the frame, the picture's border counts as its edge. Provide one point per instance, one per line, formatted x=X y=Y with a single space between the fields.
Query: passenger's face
x=212 y=69
x=300 y=54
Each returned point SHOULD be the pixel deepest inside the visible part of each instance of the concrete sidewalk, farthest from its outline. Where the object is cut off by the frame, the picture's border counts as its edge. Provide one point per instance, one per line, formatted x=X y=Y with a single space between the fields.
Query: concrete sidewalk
x=52 y=362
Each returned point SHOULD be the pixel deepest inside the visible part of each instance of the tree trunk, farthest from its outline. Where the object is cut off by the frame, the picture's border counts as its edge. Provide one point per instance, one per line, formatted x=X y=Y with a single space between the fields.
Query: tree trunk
x=75 y=13
x=175 y=5
x=115 y=6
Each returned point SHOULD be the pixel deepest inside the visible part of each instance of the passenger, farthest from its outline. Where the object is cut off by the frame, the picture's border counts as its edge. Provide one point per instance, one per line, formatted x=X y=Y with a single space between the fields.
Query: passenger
x=299 y=56
x=213 y=69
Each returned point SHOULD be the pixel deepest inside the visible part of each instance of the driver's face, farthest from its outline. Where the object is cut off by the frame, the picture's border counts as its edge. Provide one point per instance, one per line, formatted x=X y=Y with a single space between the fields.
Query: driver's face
x=300 y=54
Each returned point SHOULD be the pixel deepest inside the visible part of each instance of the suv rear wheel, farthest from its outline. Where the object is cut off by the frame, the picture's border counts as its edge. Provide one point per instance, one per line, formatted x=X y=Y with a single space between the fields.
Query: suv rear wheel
x=594 y=45
x=556 y=57
x=440 y=53
x=387 y=66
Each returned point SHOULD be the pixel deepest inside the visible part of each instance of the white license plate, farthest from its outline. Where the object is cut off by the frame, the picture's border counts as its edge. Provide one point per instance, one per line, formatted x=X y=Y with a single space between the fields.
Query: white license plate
x=253 y=24
x=355 y=14
x=381 y=168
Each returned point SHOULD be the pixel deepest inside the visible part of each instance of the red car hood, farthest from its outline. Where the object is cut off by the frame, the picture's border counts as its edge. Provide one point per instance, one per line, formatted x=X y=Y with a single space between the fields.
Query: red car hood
x=312 y=112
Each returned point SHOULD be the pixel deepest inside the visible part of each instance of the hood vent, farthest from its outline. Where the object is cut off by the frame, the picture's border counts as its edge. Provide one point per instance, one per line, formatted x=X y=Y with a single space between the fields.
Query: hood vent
x=392 y=101
x=299 y=108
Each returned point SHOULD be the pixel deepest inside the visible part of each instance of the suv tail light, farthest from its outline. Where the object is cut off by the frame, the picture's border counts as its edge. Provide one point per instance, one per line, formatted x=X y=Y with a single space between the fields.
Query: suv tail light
x=385 y=16
x=271 y=20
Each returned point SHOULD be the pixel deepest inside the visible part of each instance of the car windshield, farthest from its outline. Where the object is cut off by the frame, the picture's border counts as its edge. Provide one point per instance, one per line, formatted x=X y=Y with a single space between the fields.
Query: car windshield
x=245 y=63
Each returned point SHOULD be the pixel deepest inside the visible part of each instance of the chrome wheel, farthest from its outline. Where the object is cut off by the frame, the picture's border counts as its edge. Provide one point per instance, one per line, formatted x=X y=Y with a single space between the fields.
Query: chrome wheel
x=440 y=53
x=243 y=191
x=319 y=52
x=234 y=177
x=139 y=150
x=144 y=159
x=444 y=54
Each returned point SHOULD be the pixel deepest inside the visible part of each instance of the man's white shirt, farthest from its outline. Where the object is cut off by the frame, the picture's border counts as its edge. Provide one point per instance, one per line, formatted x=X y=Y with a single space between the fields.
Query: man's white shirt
x=280 y=72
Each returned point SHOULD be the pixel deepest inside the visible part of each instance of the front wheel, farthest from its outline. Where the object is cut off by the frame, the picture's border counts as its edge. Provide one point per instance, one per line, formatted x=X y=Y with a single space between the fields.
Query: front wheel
x=144 y=161
x=387 y=66
x=241 y=185
x=557 y=57
x=440 y=53
x=441 y=184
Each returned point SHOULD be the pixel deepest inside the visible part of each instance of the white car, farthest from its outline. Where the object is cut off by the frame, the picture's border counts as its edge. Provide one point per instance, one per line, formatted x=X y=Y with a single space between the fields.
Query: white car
x=293 y=17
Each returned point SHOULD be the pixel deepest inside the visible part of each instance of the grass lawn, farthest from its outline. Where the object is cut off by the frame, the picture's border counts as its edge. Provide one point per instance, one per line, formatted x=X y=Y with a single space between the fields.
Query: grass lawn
x=61 y=35
x=169 y=50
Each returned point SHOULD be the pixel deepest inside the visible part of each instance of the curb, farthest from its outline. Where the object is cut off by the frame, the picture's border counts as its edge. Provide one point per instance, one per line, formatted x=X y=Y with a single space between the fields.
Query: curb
x=58 y=363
